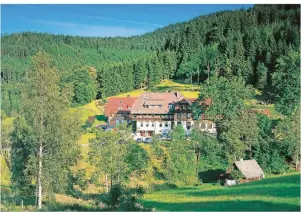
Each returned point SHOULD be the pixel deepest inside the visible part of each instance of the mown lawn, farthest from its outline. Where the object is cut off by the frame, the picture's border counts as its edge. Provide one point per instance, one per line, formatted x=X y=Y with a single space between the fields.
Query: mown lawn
x=281 y=193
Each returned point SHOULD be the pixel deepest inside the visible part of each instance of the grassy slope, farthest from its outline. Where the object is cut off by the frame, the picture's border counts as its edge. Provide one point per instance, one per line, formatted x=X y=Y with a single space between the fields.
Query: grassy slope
x=186 y=89
x=281 y=193
x=183 y=200
x=87 y=110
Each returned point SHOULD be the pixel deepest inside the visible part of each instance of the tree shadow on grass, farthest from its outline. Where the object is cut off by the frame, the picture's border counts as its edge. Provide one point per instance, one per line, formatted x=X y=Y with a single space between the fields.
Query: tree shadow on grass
x=285 y=191
x=285 y=186
x=222 y=206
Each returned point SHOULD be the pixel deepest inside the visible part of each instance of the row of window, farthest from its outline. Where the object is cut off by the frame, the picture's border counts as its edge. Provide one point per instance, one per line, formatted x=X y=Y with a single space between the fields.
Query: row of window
x=207 y=126
x=154 y=116
x=182 y=115
x=153 y=106
x=203 y=125
x=153 y=125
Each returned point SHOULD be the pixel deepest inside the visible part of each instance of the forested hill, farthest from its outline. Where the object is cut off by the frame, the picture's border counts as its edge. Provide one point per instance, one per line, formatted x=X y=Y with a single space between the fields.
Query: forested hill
x=249 y=43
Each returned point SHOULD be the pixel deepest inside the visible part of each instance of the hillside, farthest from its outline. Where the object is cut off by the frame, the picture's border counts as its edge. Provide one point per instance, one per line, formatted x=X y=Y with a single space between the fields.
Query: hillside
x=244 y=43
x=277 y=193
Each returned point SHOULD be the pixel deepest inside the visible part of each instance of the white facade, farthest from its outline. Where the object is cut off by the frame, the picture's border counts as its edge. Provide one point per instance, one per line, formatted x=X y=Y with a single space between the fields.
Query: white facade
x=208 y=127
x=185 y=125
x=158 y=127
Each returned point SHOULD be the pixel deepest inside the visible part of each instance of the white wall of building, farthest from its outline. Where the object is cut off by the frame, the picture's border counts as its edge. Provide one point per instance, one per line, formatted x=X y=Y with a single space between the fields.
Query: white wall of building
x=208 y=127
x=154 y=126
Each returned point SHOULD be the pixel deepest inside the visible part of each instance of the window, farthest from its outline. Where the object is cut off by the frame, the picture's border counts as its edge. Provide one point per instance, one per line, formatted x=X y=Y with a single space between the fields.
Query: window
x=169 y=106
x=141 y=125
x=209 y=126
x=146 y=125
x=188 y=125
x=153 y=125
x=179 y=115
x=203 y=126
x=166 y=124
x=160 y=125
x=179 y=123
x=188 y=115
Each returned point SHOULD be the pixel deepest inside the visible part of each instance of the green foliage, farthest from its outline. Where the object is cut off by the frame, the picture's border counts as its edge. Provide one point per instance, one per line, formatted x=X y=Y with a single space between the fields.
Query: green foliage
x=124 y=199
x=236 y=174
x=286 y=82
x=231 y=43
x=108 y=153
x=137 y=158
x=287 y=134
x=227 y=96
x=80 y=179
x=84 y=86
x=45 y=133
x=261 y=76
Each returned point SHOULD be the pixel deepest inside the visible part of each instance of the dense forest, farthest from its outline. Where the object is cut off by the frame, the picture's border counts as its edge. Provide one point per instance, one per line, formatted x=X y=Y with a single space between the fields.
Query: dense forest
x=228 y=53
x=244 y=43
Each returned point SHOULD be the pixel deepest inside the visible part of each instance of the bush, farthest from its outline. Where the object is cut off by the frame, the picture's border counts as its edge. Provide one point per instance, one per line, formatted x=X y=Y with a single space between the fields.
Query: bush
x=164 y=186
x=80 y=179
x=236 y=174
x=124 y=199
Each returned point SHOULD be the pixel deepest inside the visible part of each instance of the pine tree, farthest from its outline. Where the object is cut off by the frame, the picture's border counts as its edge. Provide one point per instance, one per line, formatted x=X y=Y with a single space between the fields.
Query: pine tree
x=261 y=73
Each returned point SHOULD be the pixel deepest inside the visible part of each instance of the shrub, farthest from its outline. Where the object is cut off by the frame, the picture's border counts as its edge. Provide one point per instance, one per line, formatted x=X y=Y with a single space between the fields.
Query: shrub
x=124 y=199
x=236 y=174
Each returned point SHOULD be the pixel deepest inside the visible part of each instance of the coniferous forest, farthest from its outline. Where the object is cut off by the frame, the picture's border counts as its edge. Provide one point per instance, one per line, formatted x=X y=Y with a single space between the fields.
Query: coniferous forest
x=228 y=54
x=246 y=43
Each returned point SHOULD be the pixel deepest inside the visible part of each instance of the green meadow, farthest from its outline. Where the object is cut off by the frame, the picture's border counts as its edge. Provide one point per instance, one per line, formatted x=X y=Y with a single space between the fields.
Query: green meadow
x=276 y=193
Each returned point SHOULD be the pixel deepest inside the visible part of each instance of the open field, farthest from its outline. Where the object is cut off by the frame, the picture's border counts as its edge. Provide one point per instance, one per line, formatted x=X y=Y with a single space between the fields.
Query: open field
x=168 y=85
x=90 y=109
x=276 y=193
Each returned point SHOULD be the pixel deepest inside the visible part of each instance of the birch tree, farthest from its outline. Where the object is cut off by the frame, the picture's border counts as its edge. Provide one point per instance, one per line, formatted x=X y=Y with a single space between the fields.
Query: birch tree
x=51 y=132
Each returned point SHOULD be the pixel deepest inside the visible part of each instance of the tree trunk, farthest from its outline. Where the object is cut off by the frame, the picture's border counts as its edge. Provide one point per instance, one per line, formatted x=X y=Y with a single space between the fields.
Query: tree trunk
x=111 y=179
x=191 y=79
x=40 y=177
x=198 y=76
x=208 y=66
x=107 y=183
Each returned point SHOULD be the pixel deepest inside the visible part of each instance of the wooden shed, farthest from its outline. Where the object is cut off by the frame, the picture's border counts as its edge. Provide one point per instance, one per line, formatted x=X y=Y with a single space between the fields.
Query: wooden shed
x=250 y=169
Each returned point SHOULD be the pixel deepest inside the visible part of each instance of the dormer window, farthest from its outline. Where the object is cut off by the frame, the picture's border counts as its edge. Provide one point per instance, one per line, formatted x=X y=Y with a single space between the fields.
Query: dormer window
x=169 y=106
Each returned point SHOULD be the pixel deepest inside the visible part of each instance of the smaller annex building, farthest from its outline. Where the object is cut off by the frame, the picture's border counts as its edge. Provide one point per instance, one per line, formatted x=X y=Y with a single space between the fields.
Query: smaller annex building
x=117 y=110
